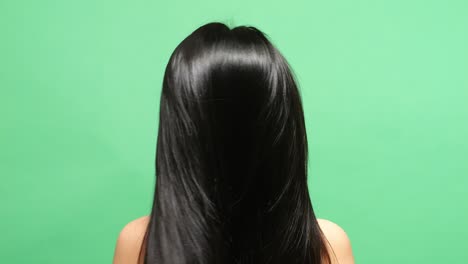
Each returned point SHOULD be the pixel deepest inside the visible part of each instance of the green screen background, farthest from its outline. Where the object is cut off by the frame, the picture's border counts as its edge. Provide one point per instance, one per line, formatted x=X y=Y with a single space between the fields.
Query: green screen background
x=385 y=91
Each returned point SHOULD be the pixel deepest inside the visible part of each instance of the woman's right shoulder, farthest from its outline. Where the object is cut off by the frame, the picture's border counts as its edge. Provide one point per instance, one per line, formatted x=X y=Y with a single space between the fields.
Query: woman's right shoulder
x=339 y=244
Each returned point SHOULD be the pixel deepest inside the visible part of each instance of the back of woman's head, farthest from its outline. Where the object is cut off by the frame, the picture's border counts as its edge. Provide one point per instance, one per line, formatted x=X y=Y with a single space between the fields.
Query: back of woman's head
x=231 y=159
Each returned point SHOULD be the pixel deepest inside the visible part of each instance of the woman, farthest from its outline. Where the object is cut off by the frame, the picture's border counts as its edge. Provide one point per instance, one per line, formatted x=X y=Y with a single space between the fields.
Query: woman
x=231 y=162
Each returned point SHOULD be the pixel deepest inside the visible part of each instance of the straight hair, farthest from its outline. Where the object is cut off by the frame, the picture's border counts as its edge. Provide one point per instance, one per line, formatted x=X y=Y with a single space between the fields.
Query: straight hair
x=231 y=157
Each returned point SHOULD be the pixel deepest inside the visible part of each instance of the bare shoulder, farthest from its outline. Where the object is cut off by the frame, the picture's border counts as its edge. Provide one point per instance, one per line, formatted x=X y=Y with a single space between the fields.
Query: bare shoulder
x=339 y=242
x=130 y=240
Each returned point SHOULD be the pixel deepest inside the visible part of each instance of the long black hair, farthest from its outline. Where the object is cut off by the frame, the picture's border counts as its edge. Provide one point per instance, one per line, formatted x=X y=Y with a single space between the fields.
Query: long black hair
x=231 y=157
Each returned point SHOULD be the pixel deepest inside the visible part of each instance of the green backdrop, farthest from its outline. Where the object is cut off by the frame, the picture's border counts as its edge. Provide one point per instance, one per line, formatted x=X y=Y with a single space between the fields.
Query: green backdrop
x=385 y=92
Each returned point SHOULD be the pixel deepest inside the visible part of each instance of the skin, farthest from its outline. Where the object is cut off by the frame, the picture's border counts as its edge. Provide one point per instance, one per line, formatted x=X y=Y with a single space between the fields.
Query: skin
x=131 y=236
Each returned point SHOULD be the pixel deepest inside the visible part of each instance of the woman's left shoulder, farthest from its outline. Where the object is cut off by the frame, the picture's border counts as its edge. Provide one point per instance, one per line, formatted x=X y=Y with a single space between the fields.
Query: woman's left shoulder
x=339 y=241
x=130 y=241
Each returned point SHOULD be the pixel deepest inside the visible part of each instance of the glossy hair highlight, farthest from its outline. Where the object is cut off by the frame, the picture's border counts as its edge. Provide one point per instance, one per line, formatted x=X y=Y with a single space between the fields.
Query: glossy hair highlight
x=231 y=157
